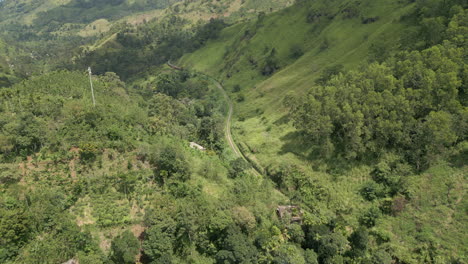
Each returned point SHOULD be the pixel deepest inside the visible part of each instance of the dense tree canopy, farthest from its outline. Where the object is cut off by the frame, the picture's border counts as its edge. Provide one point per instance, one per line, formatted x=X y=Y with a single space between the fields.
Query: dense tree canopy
x=385 y=142
x=412 y=105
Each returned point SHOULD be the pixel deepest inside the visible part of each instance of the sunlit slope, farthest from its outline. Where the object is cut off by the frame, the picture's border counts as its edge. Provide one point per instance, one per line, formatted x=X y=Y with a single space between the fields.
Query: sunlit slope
x=328 y=33
x=25 y=11
x=330 y=39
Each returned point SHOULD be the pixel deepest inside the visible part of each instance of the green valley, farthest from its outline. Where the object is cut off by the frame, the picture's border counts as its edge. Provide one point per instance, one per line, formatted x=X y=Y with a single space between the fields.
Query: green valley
x=229 y=131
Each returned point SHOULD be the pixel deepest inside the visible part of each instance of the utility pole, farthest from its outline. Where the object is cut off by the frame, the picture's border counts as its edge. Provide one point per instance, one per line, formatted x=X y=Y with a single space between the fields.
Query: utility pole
x=91 y=82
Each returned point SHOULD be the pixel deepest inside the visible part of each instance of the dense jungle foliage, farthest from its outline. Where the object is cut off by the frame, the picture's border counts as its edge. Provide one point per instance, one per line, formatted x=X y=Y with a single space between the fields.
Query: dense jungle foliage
x=371 y=152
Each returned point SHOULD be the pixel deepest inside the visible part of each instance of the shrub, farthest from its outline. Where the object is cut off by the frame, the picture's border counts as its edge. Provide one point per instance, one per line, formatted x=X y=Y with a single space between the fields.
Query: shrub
x=237 y=167
x=88 y=152
x=236 y=88
x=372 y=190
x=296 y=234
x=370 y=217
x=240 y=98
x=310 y=256
x=296 y=51
x=124 y=248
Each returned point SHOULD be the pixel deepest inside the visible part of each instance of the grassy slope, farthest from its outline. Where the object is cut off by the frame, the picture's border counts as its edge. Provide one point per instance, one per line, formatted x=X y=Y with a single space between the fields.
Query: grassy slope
x=349 y=44
x=194 y=12
x=233 y=10
x=273 y=140
x=25 y=11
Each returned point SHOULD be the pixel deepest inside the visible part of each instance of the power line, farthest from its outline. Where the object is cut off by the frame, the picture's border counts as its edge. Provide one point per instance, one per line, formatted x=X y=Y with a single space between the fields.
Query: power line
x=91 y=82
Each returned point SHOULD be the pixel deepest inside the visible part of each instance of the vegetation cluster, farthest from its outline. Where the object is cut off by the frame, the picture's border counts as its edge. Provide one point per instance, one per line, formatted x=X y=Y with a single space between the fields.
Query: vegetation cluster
x=366 y=135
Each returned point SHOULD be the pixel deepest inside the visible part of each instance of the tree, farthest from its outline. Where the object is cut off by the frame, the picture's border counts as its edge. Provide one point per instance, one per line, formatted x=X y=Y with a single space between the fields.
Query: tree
x=296 y=51
x=329 y=72
x=372 y=190
x=286 y=254
x=313 y=233
x=210 y=132
x=331 y=245
x=408 y=105
x=381 y=257
x=124 y=248
x=194 y=220
x=358 y=240
x=126 y=183
x=369 y=218
x=170 y=163
x=271 y=63
x=310 y=257
x=296 y=234
x=236 y=248
x=439 y=131
x=237 y=167
x=381 y=49
x=15 y=230
x=433 y=30
x=159 y=241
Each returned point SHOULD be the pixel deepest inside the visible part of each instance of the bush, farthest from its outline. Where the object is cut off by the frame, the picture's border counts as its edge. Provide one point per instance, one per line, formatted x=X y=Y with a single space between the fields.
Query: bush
x=381 y=257
x=332 y=245
x=288 y=254
x=370 y=217
x=296 y=234
x=310 y=256
x=9 y=174
x=238 y=167
x=271 y=64
x=236 y=88
x=359 y=240
x=88 y=152
x=296 y=51
x=124 y=248
x=372 y=190
x=398 y=205
x=329 y=72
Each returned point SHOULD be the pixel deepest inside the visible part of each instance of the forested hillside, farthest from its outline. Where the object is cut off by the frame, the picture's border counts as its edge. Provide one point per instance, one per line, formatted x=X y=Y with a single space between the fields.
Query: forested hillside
x=74 y=177
x=350 y=117
x=120 y=36
x=367 y=100
x=57 y=12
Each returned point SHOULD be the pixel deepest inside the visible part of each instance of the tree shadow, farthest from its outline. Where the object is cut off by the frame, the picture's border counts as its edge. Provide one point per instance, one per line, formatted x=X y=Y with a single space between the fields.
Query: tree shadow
x=459 y=160
x=298 y=144
x=282 y=120
x=294 y=143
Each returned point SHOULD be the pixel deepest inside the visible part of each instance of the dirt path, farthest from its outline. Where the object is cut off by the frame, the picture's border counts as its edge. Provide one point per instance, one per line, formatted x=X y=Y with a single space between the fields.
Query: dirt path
x=227 y=128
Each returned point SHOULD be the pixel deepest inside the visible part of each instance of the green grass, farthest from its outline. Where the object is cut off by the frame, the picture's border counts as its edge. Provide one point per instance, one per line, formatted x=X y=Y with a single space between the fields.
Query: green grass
x=435 y=215
x=349 y=42
x=260 y=122
x=25 y=11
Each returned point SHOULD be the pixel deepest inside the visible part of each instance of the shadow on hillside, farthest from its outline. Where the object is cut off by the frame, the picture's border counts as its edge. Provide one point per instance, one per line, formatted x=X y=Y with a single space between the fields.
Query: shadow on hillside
x=282 y=120
x=294 y=143
x=459 y=160
x=298 y=144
